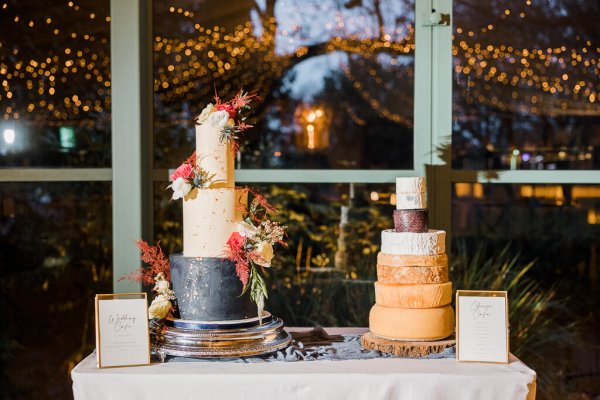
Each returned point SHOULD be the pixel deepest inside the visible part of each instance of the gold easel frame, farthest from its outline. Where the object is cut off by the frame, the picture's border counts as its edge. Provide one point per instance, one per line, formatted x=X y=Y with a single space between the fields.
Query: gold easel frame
x=482 y=293
x=119 y=296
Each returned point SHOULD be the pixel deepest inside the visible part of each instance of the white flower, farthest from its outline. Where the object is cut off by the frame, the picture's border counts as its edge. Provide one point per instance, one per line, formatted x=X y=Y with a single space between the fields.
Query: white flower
x=265 y=252
x=161 y=286
x=203 y=117
x=218 y=119
x=180 y=188
x=159 y=308
x=246 y=230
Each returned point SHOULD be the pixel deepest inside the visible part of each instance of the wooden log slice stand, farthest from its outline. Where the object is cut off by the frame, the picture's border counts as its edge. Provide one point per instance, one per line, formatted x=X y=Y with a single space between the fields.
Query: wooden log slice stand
x=415 y=349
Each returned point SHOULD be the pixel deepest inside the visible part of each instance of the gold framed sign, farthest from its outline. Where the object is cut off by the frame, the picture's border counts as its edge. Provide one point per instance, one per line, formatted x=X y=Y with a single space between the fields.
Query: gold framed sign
x=122 y=337
x=482 y=326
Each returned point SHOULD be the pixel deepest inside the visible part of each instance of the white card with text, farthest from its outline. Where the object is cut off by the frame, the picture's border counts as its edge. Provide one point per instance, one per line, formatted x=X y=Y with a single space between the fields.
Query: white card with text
x=122 y=330
x=482 y=326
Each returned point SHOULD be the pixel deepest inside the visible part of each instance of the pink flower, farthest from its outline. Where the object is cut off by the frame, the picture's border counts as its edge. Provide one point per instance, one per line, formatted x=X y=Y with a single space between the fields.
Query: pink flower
x=236 y=241
x=184 y=171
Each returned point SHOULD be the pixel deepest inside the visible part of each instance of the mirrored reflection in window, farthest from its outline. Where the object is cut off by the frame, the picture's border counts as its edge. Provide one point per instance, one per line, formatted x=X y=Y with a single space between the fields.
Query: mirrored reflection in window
x=532 y=214
x=54 y=84
x=557 y=224
x=325 y=275
x=522 y=99
x=337 y=79
x=554 y=318
x=55 y=255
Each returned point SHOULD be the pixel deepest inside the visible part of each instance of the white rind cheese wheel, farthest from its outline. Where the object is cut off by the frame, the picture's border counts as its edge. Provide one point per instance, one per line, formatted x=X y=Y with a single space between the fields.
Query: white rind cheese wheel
x=407 y=260
x=210 y=216
x=410 y=201
x=412 y=275
x=410 y=185
x=413 y=296
x=412 y=323
x=214 y=155
x=418 y=244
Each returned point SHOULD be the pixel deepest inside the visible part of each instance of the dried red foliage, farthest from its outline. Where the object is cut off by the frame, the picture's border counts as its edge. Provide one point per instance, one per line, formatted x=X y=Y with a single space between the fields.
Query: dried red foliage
x=191 y=160
x=234 y=251
x=240 y=100
x=156 y=262
x=242 y=126
x=261 y=199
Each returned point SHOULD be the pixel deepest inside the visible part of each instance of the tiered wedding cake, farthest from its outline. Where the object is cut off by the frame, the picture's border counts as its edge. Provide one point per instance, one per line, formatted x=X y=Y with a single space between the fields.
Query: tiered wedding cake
x=226 y=243
x=205 y=284
x=217 y=282
x=412 y=292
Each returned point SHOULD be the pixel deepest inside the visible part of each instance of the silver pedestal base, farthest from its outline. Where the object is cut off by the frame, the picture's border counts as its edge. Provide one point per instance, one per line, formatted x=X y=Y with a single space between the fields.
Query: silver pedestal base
x=218 y=343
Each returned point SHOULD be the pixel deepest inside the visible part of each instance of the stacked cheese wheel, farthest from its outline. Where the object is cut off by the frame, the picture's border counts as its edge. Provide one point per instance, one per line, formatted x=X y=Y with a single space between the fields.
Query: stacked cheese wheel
x=412 y=292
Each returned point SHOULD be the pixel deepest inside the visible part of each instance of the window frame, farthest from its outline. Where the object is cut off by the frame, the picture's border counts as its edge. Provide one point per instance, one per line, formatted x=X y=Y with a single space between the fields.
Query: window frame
x=132 y=174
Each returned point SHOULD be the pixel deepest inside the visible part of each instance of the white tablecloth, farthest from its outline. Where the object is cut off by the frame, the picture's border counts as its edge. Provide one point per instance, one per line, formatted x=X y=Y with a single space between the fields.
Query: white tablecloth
x=389 y=378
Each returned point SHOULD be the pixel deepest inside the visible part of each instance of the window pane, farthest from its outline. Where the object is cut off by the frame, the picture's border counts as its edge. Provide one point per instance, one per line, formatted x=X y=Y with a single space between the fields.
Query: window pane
x=523 y=99
x=55 y=255
x=55 y=84
x=337 y=79
x=326 y=274
x=558 y=227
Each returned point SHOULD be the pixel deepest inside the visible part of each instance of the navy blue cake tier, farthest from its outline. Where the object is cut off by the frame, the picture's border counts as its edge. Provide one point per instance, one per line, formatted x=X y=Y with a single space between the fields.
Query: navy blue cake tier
x=208 y=289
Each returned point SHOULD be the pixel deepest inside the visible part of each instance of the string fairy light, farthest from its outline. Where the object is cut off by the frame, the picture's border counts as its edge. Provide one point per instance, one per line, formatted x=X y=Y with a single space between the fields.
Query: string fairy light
x=73 y=85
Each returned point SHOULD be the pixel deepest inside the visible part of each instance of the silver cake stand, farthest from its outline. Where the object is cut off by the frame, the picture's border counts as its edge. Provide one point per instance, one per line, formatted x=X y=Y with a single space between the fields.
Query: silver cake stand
x=217 y=341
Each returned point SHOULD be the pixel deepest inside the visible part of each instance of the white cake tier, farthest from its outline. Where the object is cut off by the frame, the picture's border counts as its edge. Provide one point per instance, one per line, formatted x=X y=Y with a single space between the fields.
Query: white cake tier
x=418 y=244
x=410 y=185
x=410 y=201
x=210 y=216
x=214 y=155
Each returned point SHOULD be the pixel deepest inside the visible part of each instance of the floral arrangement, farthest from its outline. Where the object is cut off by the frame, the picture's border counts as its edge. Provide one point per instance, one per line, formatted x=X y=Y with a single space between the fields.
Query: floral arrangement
x=188 y=176
x=156 y=272
x=161 y=305
x=251 y=248
x=229 y=117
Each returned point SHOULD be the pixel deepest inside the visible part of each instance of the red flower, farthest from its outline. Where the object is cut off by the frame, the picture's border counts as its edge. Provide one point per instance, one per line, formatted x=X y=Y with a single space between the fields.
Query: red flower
x=184 y=171
x=242 y=269
x=236 y=241
x=229 y=108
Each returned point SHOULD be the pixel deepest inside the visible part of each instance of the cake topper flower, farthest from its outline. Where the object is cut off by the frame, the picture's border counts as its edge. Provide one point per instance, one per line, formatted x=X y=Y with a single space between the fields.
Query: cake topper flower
x=229 y=117
x=251 y=247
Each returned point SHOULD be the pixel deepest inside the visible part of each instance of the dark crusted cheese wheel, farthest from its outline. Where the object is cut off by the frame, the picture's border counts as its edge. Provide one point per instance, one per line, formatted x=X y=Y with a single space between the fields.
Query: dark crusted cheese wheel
x=411 y=220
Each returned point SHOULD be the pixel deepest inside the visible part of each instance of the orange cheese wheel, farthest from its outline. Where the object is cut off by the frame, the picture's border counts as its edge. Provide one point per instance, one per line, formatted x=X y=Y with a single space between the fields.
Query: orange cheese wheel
x=406 y=260
x=413 y=296
x=412 y=275
x=412 y=323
